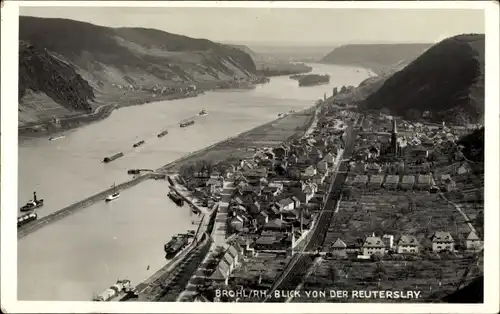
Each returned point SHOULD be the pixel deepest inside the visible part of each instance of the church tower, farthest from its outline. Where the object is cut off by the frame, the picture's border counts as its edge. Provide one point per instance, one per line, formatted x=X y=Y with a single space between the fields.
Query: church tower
x=394 y=138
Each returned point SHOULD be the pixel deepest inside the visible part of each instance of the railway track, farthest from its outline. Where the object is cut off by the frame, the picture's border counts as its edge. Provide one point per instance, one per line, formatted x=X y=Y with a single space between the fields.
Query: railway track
x=300 y=263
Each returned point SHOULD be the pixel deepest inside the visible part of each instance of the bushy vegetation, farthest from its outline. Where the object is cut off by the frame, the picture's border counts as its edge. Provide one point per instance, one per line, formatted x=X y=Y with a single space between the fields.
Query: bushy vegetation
x=446 y=80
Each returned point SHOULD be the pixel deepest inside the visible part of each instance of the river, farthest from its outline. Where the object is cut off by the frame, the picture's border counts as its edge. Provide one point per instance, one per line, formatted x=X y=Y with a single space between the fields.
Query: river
x=87 y=252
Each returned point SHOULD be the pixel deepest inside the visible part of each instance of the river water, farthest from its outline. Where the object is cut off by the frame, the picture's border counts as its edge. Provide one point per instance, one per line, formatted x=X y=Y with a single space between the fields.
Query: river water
x=88 y=251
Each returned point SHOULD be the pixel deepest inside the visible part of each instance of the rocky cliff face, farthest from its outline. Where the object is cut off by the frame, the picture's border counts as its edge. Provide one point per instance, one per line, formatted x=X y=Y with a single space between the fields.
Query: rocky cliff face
x=447 y=80
x=69 y=62
x=43 y=74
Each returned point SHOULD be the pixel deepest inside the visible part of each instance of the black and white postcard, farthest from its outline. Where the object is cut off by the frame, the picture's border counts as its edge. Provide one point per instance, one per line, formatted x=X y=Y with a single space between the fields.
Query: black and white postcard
x=250 y=157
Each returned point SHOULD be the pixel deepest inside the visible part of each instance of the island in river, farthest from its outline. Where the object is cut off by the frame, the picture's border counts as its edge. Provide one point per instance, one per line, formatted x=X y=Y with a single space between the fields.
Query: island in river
x=312 y=79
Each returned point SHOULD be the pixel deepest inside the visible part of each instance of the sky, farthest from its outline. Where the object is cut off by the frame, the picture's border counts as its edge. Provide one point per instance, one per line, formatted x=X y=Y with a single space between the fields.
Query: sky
x=278 y=26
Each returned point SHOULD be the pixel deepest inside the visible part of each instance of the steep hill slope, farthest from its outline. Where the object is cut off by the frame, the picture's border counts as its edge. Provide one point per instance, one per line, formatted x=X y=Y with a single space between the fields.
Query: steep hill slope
x=47 y=79
x=378 y=57
x=473 y=145
x=447 y=80
x=110 y=60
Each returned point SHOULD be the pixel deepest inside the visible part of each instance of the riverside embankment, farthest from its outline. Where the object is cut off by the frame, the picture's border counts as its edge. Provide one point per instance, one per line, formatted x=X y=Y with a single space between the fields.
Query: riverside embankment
x=111 y=102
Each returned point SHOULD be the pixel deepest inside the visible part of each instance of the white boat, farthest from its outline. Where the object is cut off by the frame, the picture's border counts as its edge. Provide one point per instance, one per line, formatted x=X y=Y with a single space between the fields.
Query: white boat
x=203 y=112
x=57 y=138
x=113 y=196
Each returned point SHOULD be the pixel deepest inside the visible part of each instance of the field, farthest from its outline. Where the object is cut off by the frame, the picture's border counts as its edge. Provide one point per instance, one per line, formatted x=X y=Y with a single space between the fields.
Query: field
x=390 y=213
x=242 y=146
x=266 y=266
x=432 y=278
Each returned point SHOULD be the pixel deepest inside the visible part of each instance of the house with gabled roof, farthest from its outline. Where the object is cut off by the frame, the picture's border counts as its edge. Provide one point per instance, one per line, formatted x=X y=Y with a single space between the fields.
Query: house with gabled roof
x=222 y=272
x=442 y=241
x=262 y=218
x=408 y=244
x=323 y=166
x=309 y=172
x=391 y=182
x=424 y=181
x=339 y=248
x=373 y=245
x=408 y=182
x=473 y=242
x=296 y=201
x=376 y=181
x=287 y=204
x=329 y=158
x=275 y=224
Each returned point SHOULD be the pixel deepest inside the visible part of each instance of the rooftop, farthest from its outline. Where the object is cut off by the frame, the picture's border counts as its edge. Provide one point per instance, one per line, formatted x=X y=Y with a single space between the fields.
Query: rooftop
x=378 y=179
x=392 y=179
x=442 y=236
x=408 y=240
x=373 y=242
x=408 y=180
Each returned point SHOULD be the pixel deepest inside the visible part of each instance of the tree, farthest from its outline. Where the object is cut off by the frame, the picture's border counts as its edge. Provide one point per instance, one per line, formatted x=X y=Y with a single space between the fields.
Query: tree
x=385 y=111
x=413 y=114
x=333 y=272
x=187 y=171
x=379 y=271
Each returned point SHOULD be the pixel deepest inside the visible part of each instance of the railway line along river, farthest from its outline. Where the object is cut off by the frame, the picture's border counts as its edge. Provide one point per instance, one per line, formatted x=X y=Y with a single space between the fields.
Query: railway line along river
x=87 y=252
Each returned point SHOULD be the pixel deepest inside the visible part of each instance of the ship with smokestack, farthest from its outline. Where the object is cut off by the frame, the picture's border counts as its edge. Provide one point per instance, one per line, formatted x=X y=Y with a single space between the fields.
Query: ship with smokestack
x=176 y=244
x=32 y=204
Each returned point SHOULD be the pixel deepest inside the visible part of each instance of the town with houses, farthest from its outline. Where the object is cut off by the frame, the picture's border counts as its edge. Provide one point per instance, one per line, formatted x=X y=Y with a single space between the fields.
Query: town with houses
x=407 y=214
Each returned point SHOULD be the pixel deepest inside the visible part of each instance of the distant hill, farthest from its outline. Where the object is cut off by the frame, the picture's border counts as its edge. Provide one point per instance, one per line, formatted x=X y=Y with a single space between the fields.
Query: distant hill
x=103 y=58
x=246 y=50
x=447 y=80
x=377 y=57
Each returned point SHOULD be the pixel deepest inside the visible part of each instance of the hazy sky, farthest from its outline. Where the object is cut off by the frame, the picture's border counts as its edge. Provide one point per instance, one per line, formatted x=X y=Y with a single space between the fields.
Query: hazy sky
x=286 y=26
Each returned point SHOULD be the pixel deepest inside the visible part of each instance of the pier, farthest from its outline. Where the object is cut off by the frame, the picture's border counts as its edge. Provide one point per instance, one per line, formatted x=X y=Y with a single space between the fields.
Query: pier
x=60 y=214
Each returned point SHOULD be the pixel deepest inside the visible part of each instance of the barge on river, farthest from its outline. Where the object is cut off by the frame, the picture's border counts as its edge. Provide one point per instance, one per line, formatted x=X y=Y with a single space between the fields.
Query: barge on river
x=186 y=124
x=162 y=133
x=116 y=292
x=175 y=245
x=139 y=143
x=176 y=198
x=25 y=219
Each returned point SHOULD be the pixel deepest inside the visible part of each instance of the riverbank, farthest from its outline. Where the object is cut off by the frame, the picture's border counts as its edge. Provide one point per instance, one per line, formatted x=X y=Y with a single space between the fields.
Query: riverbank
x=110 y=101
x=244 y=144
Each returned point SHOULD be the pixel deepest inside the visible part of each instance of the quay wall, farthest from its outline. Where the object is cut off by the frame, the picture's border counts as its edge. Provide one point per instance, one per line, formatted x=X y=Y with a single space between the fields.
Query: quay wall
x=60 y=214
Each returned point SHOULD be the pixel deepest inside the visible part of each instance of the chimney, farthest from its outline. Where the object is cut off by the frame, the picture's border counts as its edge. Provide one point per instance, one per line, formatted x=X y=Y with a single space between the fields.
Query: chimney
x=34 y=196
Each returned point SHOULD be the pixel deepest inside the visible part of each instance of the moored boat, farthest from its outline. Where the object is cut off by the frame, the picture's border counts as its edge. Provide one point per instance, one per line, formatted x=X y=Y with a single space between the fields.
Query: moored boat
x=162 y=133
x=188 y=123
x=139 y=143
x=56 y=138
x=176 y=198
x=113 y=196
x=32 y=204
x=120 y=288
x=203 y=112
x=24 y=219
x=177 y=243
